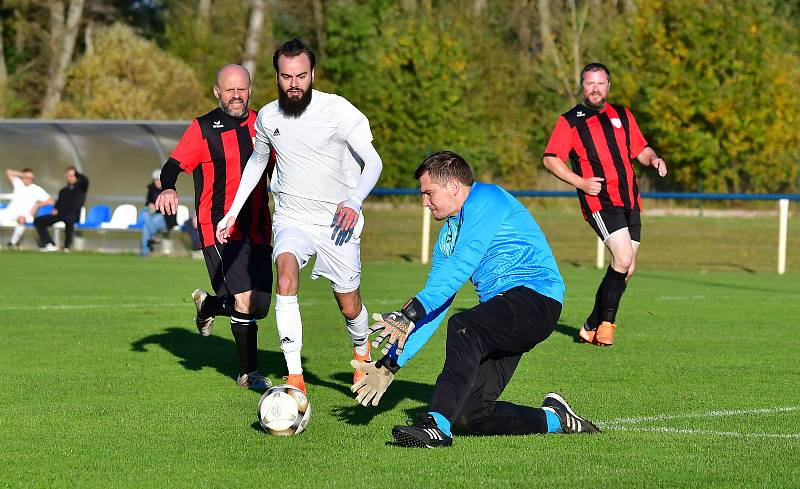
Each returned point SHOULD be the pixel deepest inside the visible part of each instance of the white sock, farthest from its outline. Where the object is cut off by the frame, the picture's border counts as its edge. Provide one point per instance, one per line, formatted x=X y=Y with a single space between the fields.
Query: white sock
x=359 y=330
x=290 y=331
x=15 y=237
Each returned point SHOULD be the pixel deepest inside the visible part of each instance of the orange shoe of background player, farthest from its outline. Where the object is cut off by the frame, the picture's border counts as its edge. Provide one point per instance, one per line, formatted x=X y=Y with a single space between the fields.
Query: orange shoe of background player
x=586 y=335
x=358 y=374
x=297 y=381
x=604 y=335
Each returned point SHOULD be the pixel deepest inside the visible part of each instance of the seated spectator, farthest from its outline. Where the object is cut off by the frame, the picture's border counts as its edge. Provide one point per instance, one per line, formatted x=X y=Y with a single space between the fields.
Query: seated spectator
x=190 y=228
x=154 y=221
x=26 y=199
x=67 y=210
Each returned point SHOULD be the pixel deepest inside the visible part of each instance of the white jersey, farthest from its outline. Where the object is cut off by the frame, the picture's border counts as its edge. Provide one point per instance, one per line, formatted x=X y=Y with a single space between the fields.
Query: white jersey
x=315 y=166
x=24 y=198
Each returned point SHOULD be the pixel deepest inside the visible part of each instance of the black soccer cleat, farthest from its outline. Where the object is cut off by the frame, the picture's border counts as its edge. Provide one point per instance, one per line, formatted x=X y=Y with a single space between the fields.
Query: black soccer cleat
x=423 y=434
x=570 y=422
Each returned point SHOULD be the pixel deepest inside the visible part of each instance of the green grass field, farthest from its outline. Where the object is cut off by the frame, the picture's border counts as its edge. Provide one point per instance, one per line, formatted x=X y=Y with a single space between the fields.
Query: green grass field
x=105 y=383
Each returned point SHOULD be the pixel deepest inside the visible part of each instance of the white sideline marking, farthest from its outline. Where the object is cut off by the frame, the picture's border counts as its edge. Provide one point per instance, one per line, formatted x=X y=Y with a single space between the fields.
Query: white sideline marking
x=85 y=306
x=681 y=297
x=691 y=431
x=709 y=414
x=51 y=307
x=624 y=424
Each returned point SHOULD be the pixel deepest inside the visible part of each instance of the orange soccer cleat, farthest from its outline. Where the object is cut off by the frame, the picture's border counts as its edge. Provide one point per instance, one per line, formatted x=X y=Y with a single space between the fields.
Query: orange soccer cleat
x=297 y=381
x=358 y=374
x=605 y=334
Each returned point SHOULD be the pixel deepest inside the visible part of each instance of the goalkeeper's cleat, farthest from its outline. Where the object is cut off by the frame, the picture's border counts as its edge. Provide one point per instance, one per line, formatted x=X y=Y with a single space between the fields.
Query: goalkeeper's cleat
x=570 y=422
x=297 y=381
x=205 y=324
x=424 y=434
x=254 y=381
x=586 y=335
x=605 y=334
x=367 y=357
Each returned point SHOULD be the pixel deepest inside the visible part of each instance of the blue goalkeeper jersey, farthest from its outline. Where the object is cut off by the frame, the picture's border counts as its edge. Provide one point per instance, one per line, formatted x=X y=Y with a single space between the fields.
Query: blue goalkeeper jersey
x=496 y=244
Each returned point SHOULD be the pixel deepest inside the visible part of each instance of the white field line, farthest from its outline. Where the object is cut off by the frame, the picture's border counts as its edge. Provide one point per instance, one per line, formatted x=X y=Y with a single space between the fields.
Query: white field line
x=681 y=297
x=63 y=307
x=709 y=414
x=625 y=424
x=691 y=431
x=312 y=303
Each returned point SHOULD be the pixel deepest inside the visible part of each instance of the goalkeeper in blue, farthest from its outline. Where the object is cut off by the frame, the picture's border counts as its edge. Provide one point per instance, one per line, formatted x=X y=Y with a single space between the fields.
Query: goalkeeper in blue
x=490 y=238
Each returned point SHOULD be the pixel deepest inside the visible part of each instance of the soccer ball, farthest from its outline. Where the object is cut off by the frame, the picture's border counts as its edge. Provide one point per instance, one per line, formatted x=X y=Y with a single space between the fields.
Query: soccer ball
x=284 y=410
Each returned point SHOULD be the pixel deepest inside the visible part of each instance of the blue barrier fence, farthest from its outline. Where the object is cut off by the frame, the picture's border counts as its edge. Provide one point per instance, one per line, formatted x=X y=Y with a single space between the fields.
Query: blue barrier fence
x=645 y=195
x=782 y=199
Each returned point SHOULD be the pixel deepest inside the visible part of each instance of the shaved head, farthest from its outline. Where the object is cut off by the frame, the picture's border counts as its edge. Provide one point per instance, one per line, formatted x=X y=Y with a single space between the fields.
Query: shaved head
x=232 y=69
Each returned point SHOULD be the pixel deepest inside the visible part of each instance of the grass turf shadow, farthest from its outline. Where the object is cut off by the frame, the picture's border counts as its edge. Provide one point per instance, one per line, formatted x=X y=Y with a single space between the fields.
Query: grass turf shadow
x=568 y=330
x=400 y=390
x=195 y=352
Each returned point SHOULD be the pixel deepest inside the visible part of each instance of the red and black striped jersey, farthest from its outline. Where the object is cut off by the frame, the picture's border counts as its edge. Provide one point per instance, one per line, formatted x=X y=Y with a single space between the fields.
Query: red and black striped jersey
x=601 y=144
x=215 y=149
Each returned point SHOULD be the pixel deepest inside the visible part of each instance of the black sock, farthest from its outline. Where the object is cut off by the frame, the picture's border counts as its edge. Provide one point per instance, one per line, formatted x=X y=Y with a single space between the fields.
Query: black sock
x=217 y=305
x=593 y=321
x=245 y=334
x=613 y=287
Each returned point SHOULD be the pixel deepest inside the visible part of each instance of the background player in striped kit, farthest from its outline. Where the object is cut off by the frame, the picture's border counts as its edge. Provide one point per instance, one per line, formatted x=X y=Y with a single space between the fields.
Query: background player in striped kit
x=325 y=167
x=215 y=149
x=600 y=139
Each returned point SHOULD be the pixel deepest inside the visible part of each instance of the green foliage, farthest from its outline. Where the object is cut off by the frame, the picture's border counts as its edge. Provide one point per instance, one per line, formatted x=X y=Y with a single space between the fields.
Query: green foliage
x=205 y=46
x=711 y=84
x=416 y=76
x=127 y=77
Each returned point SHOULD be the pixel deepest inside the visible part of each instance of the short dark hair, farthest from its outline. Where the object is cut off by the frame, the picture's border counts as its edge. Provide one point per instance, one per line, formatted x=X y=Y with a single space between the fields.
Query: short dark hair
x=71 y=168
x=293 y=48
x=443 y=166
x=26 y=170
x=595 y=67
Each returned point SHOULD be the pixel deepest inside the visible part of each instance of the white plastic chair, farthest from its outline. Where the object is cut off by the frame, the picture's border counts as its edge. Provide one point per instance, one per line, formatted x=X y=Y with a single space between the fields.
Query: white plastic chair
x=123 y=216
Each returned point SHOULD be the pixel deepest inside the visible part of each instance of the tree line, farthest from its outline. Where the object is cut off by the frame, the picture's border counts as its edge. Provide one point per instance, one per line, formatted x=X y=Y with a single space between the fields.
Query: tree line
x=710 y=83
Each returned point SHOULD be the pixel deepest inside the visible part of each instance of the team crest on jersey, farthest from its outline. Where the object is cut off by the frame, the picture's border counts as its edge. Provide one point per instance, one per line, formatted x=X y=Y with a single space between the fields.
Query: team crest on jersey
x=580 y=114
x=218 y=125
x=616 y=122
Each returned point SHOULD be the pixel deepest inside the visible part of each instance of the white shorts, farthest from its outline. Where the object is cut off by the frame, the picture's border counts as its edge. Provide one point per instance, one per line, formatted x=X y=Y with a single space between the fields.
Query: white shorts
x=338 y=257
x=10 y=218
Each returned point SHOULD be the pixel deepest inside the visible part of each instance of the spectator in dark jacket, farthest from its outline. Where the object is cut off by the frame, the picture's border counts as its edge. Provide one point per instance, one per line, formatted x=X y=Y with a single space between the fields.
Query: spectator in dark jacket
x=67 y=210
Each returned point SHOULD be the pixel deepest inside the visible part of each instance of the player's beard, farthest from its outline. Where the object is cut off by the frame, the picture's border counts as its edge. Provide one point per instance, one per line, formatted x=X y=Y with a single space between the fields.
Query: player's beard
x=589 y=104
x=239 y=114
x=293 y=106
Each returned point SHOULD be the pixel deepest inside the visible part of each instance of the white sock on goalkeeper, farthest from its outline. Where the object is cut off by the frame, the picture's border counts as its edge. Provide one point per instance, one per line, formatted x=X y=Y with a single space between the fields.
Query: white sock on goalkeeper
x=359 y=330
x=290 y=331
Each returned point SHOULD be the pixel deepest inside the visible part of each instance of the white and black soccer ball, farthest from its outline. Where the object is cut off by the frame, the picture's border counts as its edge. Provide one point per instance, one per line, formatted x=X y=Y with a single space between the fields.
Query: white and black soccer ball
x=284 y=410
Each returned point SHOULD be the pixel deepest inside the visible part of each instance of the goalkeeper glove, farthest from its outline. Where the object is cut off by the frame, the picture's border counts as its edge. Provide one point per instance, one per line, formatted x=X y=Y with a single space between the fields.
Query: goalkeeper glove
x=396 y=325
x=379 y=375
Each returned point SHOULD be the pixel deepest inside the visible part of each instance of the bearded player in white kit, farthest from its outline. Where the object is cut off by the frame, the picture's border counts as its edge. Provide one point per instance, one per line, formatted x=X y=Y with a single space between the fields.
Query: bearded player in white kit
x=325 y=167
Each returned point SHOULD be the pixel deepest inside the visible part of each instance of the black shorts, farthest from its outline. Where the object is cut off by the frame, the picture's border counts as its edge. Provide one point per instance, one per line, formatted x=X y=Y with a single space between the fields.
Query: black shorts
x=606 y=221
x=236 y=267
